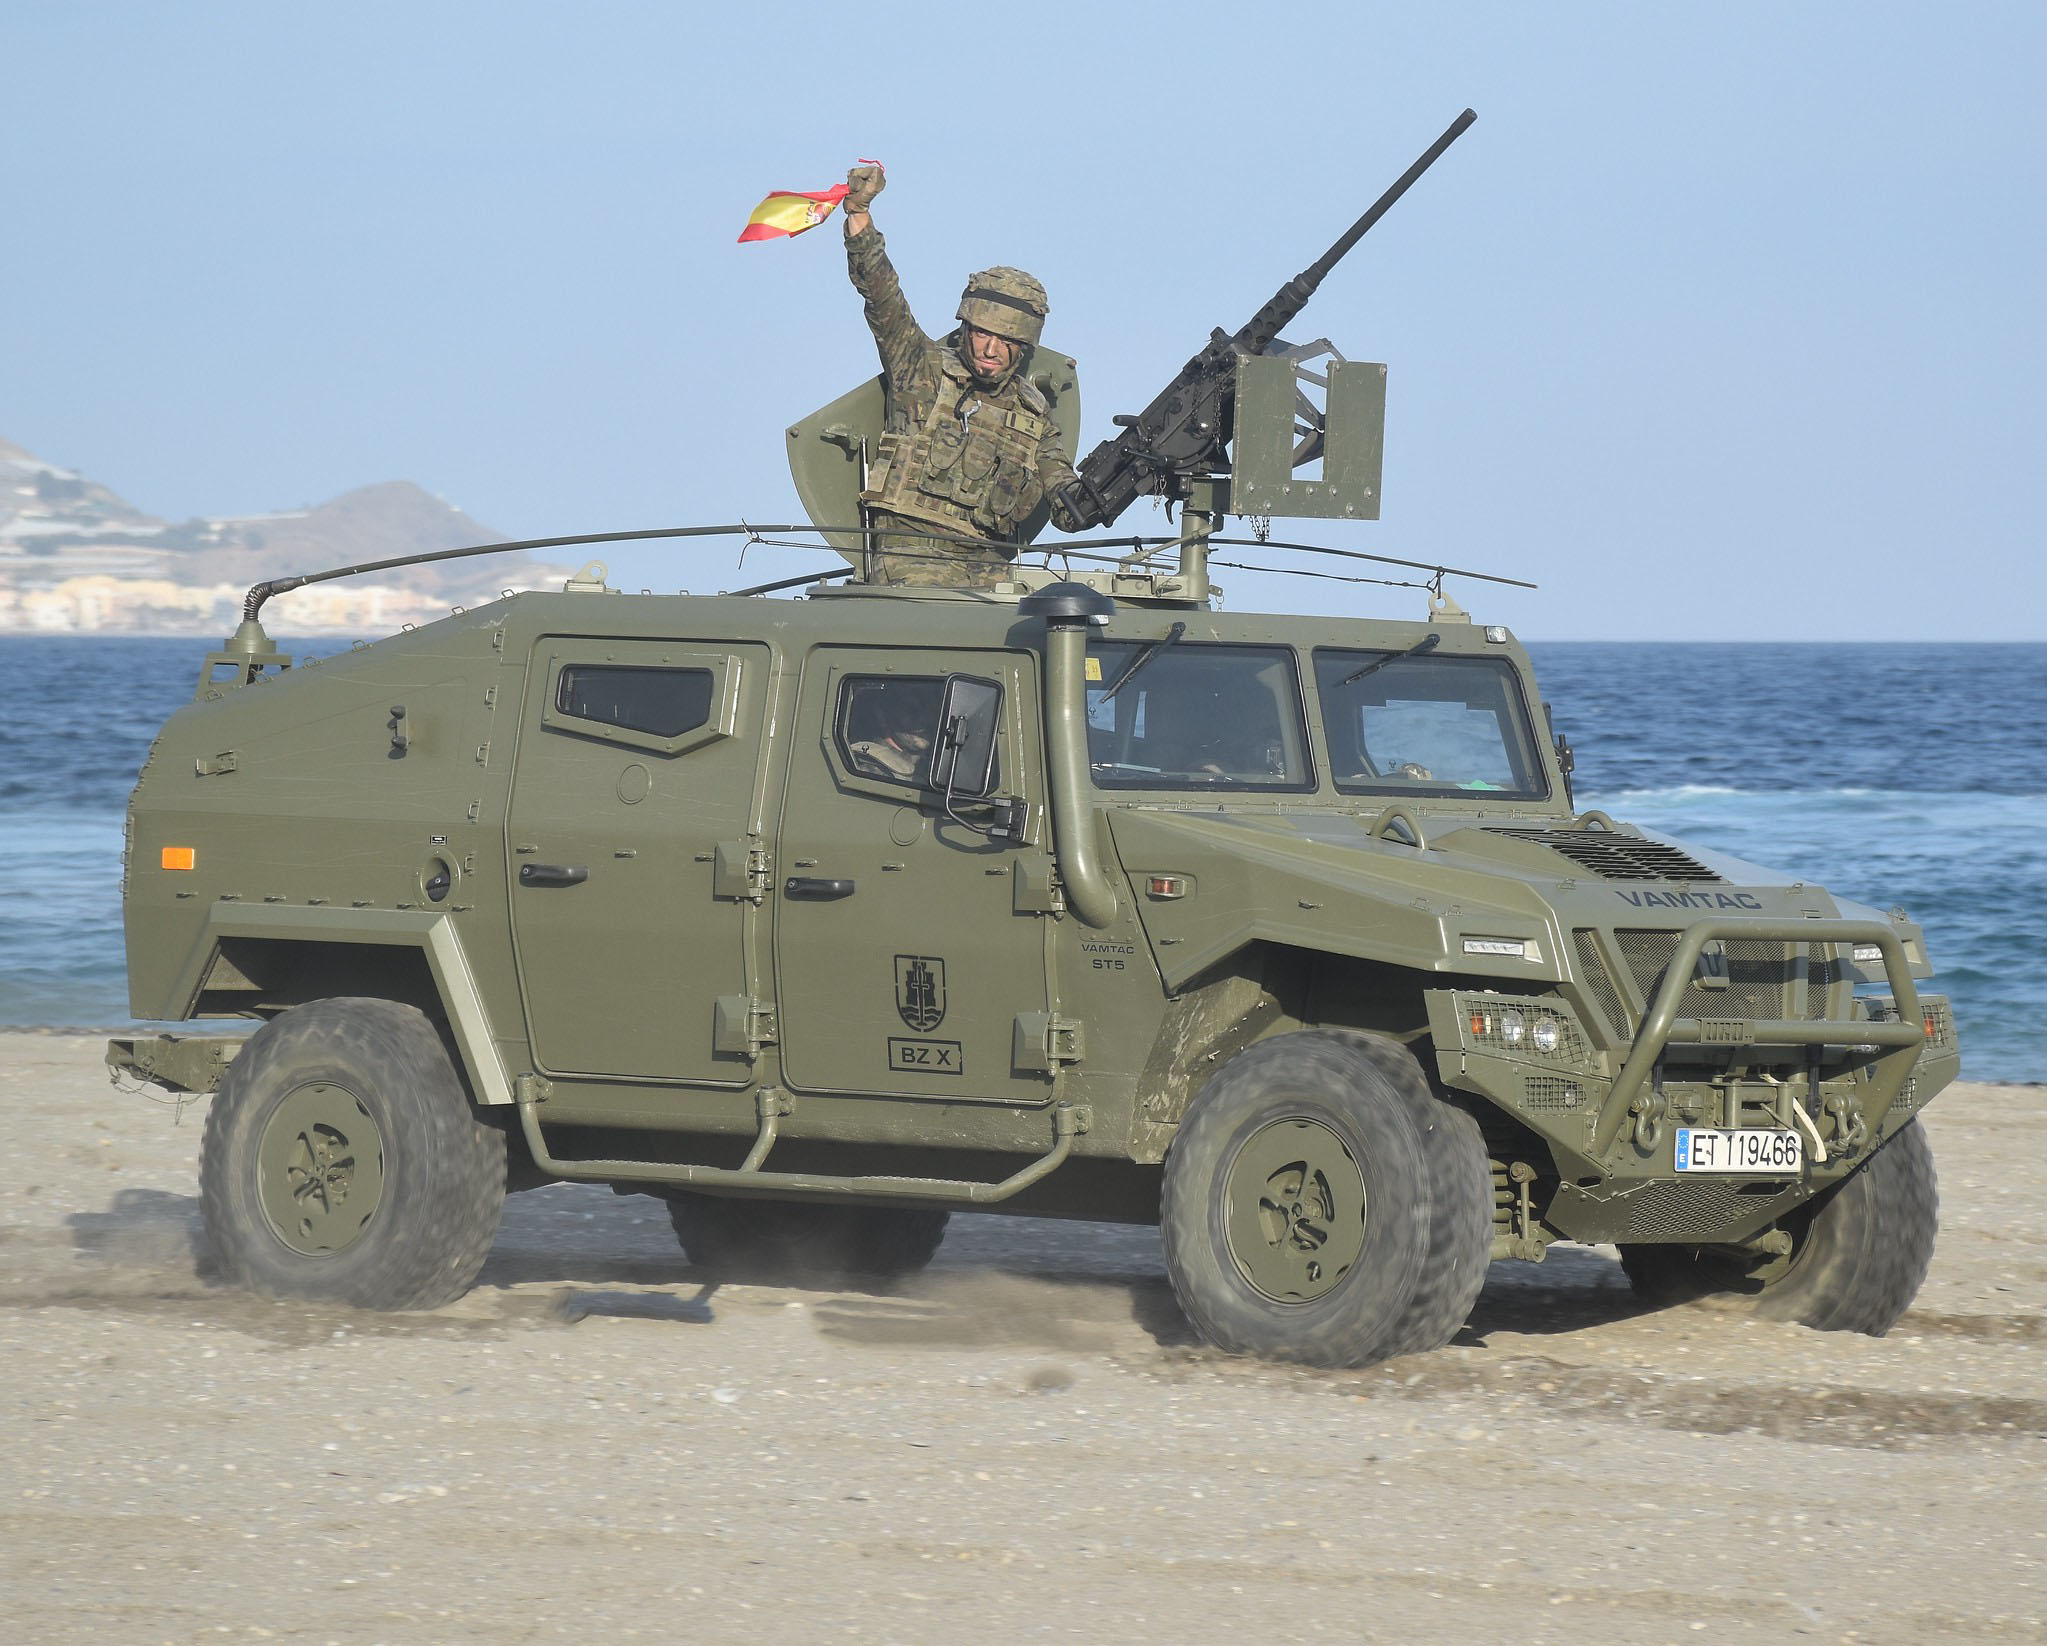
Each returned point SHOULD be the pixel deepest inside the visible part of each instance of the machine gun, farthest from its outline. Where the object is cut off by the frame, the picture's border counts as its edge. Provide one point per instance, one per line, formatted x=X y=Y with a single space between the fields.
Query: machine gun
x=1183 y=432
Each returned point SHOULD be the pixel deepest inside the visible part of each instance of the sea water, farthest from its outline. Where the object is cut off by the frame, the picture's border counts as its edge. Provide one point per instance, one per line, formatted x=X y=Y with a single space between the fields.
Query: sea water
x=1910 y=775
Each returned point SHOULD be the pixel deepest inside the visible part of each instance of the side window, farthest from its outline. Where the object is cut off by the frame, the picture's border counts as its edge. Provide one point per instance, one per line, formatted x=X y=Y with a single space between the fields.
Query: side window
x=675 y=701
x=656 y=702
x=886 y=724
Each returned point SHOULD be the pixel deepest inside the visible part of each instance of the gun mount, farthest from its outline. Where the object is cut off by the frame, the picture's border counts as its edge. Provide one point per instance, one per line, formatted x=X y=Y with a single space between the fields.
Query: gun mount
x=1182 y=435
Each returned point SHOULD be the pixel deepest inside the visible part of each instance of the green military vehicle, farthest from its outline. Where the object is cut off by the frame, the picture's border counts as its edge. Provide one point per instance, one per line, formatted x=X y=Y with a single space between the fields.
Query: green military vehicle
x=826 y=917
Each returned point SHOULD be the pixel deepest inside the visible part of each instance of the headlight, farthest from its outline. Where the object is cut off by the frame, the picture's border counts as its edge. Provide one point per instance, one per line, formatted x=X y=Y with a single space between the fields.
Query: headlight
x=1546 y=1034
x=1513 y=1028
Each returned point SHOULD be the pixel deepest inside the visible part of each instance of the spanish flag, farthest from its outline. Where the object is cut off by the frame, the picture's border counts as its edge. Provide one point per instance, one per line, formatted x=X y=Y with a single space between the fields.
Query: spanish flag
x=791 y=211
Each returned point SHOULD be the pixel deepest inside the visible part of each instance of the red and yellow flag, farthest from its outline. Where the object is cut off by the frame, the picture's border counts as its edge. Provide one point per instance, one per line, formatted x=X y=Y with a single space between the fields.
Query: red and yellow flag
x=791 y=211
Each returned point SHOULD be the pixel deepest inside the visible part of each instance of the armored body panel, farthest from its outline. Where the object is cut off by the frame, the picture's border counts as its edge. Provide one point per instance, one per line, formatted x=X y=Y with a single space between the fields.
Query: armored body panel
x=637 y=854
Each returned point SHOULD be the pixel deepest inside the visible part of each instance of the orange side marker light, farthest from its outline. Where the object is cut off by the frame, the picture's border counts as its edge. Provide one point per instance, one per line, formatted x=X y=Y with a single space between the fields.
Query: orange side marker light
x=180 y=857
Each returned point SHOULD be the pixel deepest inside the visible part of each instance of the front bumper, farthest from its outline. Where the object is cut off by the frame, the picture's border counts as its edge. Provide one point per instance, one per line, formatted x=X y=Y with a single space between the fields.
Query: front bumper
x=1609 y=1113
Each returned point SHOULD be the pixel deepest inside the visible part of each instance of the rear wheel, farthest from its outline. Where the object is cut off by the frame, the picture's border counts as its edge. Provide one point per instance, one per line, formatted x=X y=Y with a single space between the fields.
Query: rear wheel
x=1320 y=1205
x=342 y=1161
x=1857 y=1259
x=774 y=1240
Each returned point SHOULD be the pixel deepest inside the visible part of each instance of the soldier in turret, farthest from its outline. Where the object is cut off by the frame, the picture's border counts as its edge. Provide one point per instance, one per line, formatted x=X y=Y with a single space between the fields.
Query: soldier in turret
x=969 y=451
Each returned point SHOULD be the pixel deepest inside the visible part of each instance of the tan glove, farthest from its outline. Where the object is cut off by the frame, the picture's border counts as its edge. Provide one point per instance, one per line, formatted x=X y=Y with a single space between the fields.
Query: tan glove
x=863 y=183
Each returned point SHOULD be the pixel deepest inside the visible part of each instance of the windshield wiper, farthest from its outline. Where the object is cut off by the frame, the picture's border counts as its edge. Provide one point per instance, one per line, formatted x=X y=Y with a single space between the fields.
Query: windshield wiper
x=1427 y=643
x=1172 y=637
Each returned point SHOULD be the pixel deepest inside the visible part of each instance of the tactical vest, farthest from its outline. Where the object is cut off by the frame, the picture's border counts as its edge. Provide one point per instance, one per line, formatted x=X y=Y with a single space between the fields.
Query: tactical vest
x=971 y=463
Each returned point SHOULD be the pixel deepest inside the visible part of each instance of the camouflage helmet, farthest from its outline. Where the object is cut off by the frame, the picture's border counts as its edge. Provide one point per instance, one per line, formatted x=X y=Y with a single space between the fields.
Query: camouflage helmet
x=1007 y=302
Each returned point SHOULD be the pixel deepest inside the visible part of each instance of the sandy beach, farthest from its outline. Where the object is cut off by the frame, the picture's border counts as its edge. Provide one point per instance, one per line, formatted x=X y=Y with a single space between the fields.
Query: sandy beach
x=1024 y=1443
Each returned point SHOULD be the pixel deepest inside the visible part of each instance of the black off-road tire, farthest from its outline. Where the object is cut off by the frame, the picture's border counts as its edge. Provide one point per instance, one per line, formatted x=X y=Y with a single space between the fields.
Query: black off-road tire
x=1859 y=1258
x=381 y=1072
x=1460 y=1246
x=1359 y=1099
x=771 y=1241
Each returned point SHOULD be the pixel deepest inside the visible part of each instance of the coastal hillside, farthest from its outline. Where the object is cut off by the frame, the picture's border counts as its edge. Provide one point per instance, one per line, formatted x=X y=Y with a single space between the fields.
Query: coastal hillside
x=76 y=557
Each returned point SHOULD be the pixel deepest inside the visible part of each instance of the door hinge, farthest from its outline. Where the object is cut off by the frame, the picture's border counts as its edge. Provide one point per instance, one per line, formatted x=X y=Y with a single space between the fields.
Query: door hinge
x=741 y=1025
x=1047 y=1042
x=742 y=870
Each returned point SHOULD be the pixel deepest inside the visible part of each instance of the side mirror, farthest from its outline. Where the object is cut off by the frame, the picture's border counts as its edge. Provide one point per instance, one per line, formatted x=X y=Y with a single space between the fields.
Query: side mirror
x=963 y=759
x=1567 y=760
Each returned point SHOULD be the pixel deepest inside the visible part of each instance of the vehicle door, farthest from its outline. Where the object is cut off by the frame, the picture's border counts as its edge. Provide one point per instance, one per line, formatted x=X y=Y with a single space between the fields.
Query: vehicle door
x=630 y=833
x=910 y=952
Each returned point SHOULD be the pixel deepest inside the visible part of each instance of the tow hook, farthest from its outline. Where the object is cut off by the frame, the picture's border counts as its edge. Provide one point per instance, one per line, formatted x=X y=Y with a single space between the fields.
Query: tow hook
x=1649 y=1109
x=1850 y=1130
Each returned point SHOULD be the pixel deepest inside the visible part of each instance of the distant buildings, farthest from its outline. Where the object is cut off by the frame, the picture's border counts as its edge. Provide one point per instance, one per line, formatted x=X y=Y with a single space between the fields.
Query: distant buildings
x=100 y=603
x=76 y=558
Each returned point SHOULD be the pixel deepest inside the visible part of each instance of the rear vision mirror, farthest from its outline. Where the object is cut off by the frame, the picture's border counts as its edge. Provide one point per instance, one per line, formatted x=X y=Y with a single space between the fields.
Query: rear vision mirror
x=963 y=759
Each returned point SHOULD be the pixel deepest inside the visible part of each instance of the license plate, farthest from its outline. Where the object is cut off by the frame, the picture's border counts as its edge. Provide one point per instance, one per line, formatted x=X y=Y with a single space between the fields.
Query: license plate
x=1752 y=1149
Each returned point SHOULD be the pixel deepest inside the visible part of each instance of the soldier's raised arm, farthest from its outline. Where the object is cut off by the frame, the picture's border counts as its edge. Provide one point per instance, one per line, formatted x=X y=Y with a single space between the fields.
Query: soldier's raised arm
x=897 y=337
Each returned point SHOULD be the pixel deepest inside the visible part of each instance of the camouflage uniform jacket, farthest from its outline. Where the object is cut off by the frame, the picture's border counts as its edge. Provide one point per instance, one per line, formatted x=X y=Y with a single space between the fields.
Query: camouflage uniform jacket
x=970 y=458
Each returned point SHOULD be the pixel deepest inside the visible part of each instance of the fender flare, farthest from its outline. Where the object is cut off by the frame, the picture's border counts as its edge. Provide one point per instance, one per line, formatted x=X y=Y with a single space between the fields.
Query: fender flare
x=431 y=932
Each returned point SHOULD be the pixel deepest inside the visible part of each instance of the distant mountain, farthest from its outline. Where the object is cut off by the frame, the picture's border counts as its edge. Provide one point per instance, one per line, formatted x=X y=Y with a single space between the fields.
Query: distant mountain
x=76 y=556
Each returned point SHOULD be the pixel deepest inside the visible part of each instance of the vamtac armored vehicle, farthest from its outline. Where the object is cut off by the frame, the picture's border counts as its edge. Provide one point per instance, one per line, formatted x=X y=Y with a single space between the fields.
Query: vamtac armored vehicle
x=825 y=917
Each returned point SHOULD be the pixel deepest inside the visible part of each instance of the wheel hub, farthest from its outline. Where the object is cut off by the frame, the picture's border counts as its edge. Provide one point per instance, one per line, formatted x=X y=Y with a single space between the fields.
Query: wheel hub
x=1294 y=1210
x=320 y=1169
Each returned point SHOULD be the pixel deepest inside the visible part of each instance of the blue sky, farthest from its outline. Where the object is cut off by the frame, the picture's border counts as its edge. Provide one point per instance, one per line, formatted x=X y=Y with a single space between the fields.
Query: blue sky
x=1722 y=322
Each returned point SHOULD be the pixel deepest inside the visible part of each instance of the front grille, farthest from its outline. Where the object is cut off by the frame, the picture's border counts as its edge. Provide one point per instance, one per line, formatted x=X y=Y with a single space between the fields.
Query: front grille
x=1615 y=856
x=1765 y=979
x=1599 y=983
x=1822 y=977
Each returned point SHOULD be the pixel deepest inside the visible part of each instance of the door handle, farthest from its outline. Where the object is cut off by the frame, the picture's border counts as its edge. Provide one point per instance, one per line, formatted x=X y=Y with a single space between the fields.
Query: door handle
x=553 y=874
x=807 y=889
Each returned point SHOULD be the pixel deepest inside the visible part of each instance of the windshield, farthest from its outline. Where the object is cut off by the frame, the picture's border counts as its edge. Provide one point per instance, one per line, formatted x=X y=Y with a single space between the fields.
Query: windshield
x=1195 y=716
x=1427 y=725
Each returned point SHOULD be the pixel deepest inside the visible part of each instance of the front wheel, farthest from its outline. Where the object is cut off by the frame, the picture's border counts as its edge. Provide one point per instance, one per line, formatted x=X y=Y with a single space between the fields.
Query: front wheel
x=1856 y=1262
x=1321 y=1205
x=342 y=1161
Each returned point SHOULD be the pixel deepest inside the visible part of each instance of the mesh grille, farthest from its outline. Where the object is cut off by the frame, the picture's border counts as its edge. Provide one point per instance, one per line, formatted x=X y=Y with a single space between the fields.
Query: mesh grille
x=1616 y=856
x=1484 y=1019
x=1688 y=1209
x=1541 y=1091
x=1943 y=1019
x=1881 y=1008
x=1599 y=983
x=1821 y=976
x=1759 y=976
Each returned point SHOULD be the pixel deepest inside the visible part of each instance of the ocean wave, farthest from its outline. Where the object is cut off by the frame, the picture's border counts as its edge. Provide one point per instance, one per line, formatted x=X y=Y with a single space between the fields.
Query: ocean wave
x=1607 y=799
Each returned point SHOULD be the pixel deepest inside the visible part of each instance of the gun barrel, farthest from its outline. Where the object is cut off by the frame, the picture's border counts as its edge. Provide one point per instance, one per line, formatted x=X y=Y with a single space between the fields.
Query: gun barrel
x=1291 y=298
